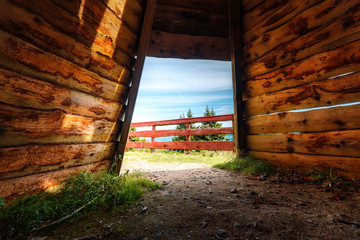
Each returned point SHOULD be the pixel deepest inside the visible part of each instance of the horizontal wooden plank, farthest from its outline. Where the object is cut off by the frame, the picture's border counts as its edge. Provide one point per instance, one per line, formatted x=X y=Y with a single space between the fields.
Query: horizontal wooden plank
x=130 y=12
x=213 y=145
x=49 y=67
x=35 y=29
x=289 y=10
x=321 y=66
x=35 y=159
x=82 y=28
x=329 y=92
x=168 y=45
x=344 y=29
x=19 y=90
x=24 y=126
x=319 y=120
x=248 y=5
x=341 y=166
x=338 y=143
x=312 y=18
x=215 y=6
x=261 y=12
x=11 y=188
x=191 y=22
x=100 y=22
x=182 y=132
x=225 y=117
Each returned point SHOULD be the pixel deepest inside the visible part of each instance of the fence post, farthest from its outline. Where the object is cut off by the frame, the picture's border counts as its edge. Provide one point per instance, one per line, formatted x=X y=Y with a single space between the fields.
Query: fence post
x=187 y=137
x=152 y=139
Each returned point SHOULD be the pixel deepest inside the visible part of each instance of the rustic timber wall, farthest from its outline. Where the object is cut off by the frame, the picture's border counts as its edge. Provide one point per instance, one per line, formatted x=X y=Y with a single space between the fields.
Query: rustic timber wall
x=65 y=69
x=303 y=55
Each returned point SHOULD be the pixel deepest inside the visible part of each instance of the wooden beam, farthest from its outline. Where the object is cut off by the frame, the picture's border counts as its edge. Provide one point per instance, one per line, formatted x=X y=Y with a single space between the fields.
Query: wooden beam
x=225 y=117
x=182 y=132
x=204 y=145
x=139 y=64
x=235 y=29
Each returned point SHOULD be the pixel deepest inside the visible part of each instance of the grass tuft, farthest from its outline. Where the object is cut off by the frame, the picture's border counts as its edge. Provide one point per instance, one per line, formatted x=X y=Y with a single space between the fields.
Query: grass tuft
x=247 y=165
x=85 y=191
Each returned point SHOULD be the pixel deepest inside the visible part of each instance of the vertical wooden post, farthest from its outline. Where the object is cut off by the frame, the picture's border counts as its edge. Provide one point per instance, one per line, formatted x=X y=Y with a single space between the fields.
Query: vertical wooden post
x=188 y=137
x=152 y=138
x=139 y=64
x=235 y=30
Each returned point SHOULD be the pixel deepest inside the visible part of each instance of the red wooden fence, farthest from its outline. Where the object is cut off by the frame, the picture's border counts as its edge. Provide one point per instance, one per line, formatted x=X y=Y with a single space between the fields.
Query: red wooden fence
x=187 y=145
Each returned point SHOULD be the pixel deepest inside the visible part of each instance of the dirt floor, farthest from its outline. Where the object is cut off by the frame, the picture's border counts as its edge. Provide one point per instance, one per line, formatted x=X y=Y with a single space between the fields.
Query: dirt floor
x=200 y=202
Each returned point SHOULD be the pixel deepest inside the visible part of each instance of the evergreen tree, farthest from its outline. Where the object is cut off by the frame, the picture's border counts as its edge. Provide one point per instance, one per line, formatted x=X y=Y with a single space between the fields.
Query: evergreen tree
x=189 y=114
x=212 y=124
x=135 y=139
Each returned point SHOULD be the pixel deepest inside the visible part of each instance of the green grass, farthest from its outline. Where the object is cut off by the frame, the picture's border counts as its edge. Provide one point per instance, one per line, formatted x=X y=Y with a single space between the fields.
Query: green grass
x=162 y=156
x=247 y=165
x=85 y=191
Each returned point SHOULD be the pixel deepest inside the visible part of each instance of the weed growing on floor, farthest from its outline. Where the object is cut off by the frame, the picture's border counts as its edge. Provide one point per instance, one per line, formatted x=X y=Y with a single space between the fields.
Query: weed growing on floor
x=84 y=192
x=247 y=165
x=332 y=178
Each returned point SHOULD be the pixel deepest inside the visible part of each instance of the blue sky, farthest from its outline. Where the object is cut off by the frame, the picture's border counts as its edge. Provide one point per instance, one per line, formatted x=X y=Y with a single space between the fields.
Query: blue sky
x=169 y=87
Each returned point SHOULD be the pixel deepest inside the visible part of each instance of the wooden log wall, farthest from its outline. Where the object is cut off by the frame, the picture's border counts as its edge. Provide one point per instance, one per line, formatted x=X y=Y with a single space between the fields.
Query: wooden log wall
x=65 y=71
x=302 y=83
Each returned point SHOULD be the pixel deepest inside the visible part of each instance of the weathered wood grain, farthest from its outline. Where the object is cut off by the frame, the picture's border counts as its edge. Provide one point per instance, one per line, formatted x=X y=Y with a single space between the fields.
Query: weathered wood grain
x=329 y=92
x=24 y=126
x=35 y=29
x=55 y=69
x=84 y=31
x=338 y=143
x=290 y=10
x=213 y=145
x=342 y=30
x=320 y=120
x=95 y=16
x=182 y=132
x=261 y=12
x=341 y=166
x=131 y=12
x=303 y=23
x=215 y=6
x=321 y=66
x=11 y=188
x=19 y=90
x=248 y=5
x=191 y=22
x=35 y=159
x=168 y=45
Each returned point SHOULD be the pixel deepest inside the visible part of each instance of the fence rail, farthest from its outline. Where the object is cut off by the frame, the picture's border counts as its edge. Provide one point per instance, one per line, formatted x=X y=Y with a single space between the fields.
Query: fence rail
x=186 y=145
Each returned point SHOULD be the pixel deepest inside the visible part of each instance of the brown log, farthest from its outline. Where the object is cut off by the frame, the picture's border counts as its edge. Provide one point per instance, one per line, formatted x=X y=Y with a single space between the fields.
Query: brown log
x=225 y=117
x=191 y=22
x=337 y=143
x=261 y=12
x=312 y=18
x=35 y=159
x=329 y=92
x=168 y=45
x=94 y=15
x=248 y=5
x=341 y=166
x=55 y=69
x=11 y=188
x=321 y=66
x=182 y=132
x=83 y=29
x=344 y=29
x=213 y=145
x=130 y=12
x=35 y=29
x=24 y=126
x=319 y=120
x=290 y=10
x=19 y=90
x=215 y=6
